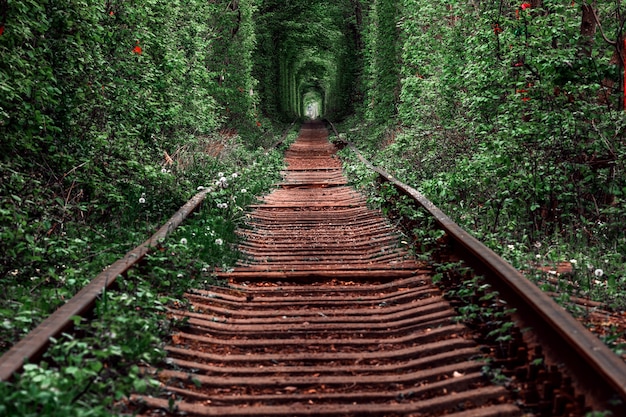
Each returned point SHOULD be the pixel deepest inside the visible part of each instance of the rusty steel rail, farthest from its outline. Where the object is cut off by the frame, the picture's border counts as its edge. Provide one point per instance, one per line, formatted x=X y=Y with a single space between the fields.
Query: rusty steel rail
x=35 y=343
x=596 y=371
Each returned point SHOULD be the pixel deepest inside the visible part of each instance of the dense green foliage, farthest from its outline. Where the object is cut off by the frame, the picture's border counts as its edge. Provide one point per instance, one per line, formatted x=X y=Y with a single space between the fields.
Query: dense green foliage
x=509 y=116
x=381 y=81
x=102 y=103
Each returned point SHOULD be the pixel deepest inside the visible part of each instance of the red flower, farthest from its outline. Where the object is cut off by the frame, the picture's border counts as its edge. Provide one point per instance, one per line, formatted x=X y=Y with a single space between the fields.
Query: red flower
x=258 y=124
x=524 y=92
x=1 y=30
x=526 y=6
x=497 y=29
x=137 y=49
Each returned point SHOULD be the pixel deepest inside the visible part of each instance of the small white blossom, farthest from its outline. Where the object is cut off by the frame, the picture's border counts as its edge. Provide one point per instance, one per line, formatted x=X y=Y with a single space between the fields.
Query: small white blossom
x=598 y=272
x=511 y=247
x=204 y=270
x=200 y=188
x=219 y=242
x=183 y=241
x=142 y=200
x=179 y=276
x=234 y=175
x=163 y=170
x=538 y=256
x=573 y=261
x=537 y=245
x=220 y=174
x=243 y=191
x=222 y=182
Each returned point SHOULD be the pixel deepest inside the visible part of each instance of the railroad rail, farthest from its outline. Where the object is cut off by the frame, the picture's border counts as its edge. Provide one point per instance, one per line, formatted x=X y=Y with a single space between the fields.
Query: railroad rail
x=328 y=314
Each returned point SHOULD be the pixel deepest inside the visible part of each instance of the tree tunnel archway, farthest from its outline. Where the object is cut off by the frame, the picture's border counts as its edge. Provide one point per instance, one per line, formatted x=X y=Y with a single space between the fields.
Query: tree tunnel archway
x=306 y=57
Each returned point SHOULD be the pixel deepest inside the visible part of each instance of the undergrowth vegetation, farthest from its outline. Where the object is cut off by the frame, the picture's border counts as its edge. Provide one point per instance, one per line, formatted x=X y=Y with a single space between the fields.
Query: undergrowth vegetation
x=92 y=372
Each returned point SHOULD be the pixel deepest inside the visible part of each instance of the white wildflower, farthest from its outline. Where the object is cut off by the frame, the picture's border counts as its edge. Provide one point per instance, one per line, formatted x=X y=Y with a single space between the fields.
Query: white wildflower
x=219 y=242
x=243 y=191
x=179 y=276
x=537 y=245
x=573 y=261
x=538 y=256
x=598 y=272
x=220 y=174
x=511 y=247
x=183 y=241
x=234 y=175
x=222 y=182
x=163 y=170
x=142 y=200
x=200 y=188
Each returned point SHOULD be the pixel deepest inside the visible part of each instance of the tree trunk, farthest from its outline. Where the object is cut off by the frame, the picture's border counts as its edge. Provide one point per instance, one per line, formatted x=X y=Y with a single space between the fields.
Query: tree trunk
x=588 y=27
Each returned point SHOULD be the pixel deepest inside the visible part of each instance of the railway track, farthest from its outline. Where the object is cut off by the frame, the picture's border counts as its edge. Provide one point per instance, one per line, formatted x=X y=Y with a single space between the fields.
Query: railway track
x=328 y=314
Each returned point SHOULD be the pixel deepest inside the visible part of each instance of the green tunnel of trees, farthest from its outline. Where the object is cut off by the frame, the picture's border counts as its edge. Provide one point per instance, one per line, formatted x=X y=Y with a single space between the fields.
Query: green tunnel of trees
x=508 y=115
x=521 y=103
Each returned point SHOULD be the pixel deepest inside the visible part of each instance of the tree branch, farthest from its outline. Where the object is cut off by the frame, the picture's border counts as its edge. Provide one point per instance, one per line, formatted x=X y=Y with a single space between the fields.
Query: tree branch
x=607 y=40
